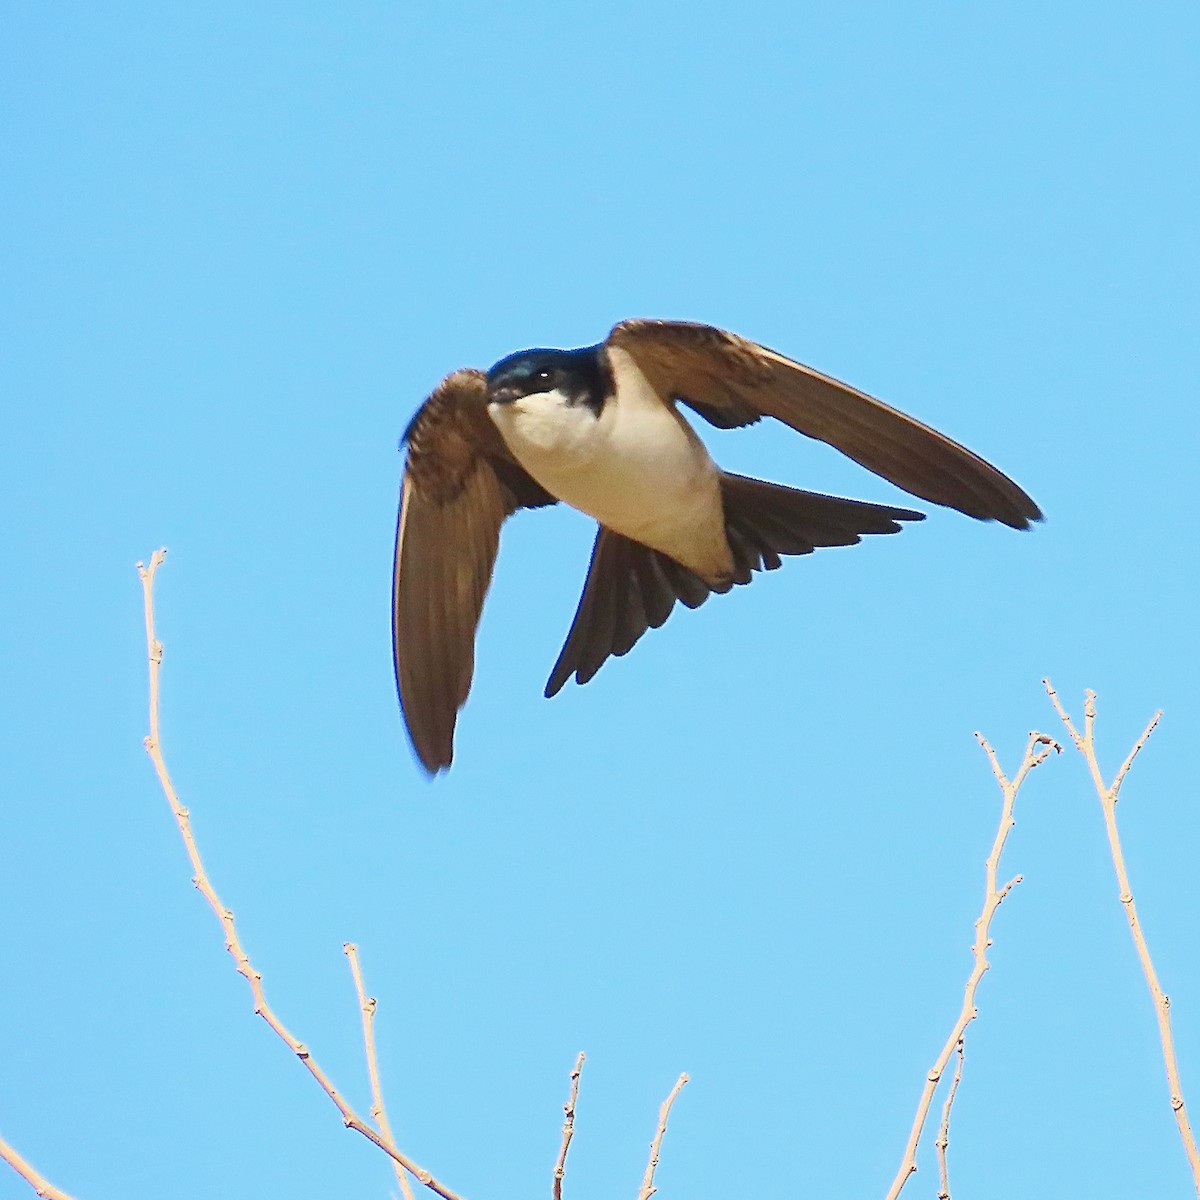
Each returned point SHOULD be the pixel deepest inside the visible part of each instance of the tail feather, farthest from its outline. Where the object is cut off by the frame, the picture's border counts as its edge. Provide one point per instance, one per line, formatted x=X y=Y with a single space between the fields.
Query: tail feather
x=631 y=588
x=658 y=596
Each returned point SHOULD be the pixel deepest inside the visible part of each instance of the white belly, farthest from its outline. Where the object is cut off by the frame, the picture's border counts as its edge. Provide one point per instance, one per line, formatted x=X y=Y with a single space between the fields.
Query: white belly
x=638 y=468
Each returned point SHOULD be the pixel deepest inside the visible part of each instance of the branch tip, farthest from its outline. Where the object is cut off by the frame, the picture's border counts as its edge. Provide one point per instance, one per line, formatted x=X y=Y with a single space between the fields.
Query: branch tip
x=994 y=895
x=568 y=1129
x=1108 y=795
x=648 y=1188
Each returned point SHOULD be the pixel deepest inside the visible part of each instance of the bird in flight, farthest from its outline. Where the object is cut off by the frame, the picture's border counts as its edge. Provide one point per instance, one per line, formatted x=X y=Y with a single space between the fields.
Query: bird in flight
x=600 y=429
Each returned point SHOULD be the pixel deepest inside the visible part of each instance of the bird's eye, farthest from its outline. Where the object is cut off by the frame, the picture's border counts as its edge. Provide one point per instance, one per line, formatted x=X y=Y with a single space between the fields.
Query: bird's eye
x=544 y=377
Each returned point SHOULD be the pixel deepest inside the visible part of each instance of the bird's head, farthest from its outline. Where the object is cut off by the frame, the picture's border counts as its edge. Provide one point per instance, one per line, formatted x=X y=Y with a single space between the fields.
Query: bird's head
x=571 y=376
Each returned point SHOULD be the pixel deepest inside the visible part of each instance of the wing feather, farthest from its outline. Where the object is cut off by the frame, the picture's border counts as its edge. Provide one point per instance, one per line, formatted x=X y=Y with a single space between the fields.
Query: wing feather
x=460 y=483
x=713 y=371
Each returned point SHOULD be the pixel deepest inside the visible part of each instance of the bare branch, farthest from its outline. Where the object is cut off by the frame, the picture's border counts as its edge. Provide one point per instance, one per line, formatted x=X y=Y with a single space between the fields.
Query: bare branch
x=648 y=1188
x=1063 y=716
x=367 y=1006
x=943 y=1141
x=40 y=1184
x=568 y=1129
x=1137 y=746
x=1036 y=751
x=1108 y=795
x=233 y=944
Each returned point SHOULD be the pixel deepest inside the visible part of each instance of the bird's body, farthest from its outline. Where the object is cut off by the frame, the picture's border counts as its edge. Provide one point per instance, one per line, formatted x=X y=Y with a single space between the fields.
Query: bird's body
x=600 y=429
x=633 y=463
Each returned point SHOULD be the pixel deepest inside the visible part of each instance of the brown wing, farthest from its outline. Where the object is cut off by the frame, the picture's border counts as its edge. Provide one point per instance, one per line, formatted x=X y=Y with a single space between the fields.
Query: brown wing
x=732 y=382
x=460 y=482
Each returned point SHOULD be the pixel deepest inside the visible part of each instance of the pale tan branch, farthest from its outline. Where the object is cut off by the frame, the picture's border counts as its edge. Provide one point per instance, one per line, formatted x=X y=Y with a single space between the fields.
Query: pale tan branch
x=1137 y=746
x=648 y=1188
x=1108 y=795
x=36 y=1180
x=1063 y=715
x=943 y=1140
x=1036 y=751
x=233 y=944
x=367 y=1005
x=568 y=1129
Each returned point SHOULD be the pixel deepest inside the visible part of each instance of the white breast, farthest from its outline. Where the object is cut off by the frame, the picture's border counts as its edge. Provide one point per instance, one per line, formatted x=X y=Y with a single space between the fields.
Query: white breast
x=638 y=467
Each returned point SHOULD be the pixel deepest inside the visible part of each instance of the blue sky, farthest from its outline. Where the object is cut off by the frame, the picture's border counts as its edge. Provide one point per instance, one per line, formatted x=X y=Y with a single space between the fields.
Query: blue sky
x=241 y=243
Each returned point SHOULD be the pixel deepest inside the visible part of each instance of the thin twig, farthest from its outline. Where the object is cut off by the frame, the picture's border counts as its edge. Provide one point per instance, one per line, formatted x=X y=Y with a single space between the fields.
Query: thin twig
x=233 y=944
x=36 y=1180
x=367 y=1005
x=568 y=1129
x=648 y=1188
x=1036 y=752
x=943 y=1140
x=1108 y=795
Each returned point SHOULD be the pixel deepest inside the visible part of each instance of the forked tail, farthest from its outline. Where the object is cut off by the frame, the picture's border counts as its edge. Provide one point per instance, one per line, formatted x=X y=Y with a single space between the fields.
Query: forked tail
x=631 y=588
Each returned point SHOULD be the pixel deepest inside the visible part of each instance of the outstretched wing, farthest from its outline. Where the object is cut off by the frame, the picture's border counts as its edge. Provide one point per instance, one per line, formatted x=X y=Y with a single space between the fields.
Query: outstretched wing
x=460 y=483
x=733 y=382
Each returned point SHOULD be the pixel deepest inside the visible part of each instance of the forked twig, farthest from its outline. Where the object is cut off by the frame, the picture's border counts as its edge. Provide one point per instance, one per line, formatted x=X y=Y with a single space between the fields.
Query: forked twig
x=648 y=1188
x=568 y=1129
x=36 y=1180
x=367 y=1005
x=1036 y=752
x=1108 y=795
x=233 y=944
